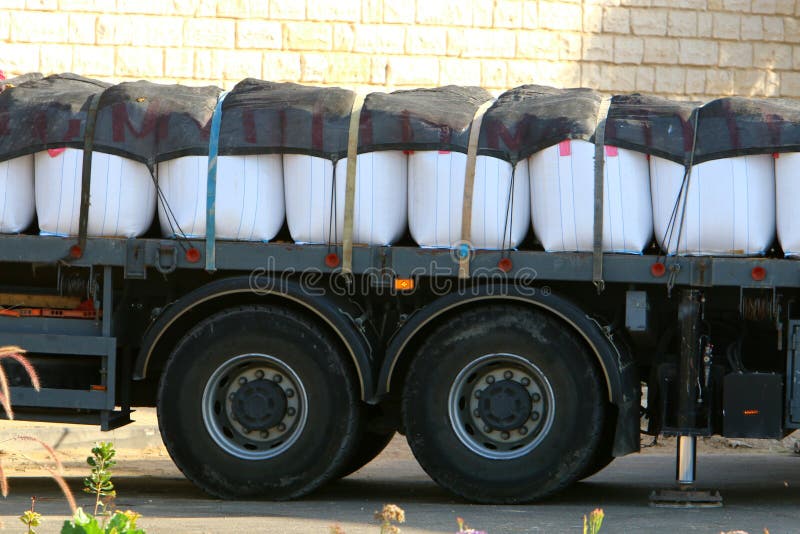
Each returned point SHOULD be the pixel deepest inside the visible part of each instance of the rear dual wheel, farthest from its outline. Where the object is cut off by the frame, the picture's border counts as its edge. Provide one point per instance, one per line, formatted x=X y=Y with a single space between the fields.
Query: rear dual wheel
x=503 y=404
x=259 y=401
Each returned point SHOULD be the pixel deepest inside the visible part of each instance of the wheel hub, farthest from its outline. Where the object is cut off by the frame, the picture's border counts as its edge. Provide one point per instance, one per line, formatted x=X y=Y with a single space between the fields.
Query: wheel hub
x=505 y=405
x=501 y=406
x=259 y=405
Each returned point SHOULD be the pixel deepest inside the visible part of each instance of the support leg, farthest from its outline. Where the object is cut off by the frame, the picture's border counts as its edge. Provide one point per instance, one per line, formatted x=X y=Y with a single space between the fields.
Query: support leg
x=685 y=496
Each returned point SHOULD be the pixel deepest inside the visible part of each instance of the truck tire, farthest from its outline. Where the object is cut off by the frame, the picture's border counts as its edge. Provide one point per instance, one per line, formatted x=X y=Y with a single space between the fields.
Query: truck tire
x=370 y=445
x=503 y=404
x=258 y=401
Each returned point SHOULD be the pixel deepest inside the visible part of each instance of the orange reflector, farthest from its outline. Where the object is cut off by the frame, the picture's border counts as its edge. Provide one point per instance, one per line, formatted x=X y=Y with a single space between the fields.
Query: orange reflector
x=751 y=412
x=98 y=387
x=758 y=273
x=404 y=284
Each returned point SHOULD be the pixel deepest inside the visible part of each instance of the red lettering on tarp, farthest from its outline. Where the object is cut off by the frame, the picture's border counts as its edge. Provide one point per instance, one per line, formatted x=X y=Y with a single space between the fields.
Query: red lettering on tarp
x=773 y=122
x=317 y=127
x=73 y=129
x=406 y=131
x=120 y=120
x=249 y=125
x=497 y=131
x=564 y=148
x=40 y=126
x=365 y=128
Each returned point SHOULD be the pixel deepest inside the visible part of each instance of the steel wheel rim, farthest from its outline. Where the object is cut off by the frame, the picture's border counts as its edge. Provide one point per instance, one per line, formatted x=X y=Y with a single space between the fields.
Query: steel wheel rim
x=478 y=433
x=228 y=432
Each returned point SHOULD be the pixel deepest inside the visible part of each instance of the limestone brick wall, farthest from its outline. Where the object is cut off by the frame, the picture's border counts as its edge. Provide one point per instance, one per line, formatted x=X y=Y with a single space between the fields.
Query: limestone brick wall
x=686 y=48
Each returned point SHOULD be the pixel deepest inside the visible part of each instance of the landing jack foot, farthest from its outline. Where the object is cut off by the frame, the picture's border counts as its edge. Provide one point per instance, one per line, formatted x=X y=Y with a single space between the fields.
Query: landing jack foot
x=685 y=495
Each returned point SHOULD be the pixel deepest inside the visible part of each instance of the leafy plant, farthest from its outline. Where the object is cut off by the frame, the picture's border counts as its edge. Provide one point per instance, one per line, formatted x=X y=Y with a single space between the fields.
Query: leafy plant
x=595 y=521
x=464 y=529
x=31 y=518
x=119 y=523
x=99 y=482
x=389 y=514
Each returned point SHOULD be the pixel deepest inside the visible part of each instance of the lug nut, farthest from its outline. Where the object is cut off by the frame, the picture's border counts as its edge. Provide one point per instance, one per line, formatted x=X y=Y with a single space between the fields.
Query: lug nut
x=290 y=411
x=476 y=414
x=535 y=416
x=242 y=380
x=490 y=379
x=536 y=397
x=477 y=393
x=245 y=430
x=232 y=396
x=277 y=378
x=487 y=428
x=505 y=435
x=525 y=381
x=523 y=430
x=508 y=375
x=290 y=393
x=281 y=427
x=259 y=374
x=264 y=434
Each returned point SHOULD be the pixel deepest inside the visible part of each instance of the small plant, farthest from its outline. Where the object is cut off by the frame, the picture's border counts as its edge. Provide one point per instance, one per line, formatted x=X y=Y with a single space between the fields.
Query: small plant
x=98 y=483
x=389 y=514
x=464 y=529
x=595 y=521
x=31 y=518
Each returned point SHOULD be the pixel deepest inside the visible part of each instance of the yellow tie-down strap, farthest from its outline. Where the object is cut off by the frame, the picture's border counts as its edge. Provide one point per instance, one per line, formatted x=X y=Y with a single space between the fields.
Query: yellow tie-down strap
x=469 y=186
x=350 y=184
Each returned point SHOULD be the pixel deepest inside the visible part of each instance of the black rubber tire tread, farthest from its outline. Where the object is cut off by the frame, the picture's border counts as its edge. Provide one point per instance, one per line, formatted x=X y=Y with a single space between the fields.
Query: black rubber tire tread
x=557 y=351
x=369 y=446
x=333 y=416
x=603 y=454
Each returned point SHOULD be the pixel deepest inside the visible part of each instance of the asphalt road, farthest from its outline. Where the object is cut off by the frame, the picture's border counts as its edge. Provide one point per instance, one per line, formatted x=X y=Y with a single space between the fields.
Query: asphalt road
x=761 y=490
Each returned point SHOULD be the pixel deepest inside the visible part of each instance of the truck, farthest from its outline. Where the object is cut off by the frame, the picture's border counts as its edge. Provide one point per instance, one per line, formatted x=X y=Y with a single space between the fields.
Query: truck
x=277 y=366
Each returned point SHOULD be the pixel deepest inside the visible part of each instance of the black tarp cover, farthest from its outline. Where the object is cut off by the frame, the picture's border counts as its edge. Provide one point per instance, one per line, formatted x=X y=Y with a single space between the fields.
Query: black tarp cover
x=260 y=117
x=151 y=122
x=9 y=83
x=651 y=124
x=736 y=126
x=420 y=119
x=45 y=113
x=530 y=118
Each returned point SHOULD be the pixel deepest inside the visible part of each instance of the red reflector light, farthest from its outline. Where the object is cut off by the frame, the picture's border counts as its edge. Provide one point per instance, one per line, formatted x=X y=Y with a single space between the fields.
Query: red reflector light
x=758 y=273
x=751 y=412
x=332 y=260
x=192 y=255
x=658 y=269
x=75 y=251
x=505 y=265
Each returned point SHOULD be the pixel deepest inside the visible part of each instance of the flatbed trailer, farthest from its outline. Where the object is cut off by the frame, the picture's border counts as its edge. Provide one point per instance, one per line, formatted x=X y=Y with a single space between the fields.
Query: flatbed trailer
x=274 y=372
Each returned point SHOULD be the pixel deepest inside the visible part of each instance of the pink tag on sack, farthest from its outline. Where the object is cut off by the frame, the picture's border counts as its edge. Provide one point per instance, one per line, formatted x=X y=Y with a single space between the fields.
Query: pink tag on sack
x=612 y=151
x=564 y=148
x=444 y=152
x=55 y=152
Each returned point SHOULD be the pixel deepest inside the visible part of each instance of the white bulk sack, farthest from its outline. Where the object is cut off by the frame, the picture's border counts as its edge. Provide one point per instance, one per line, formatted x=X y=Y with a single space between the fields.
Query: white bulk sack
x=787 y=191
x=379 y=215
x=17 y=205
x=122 y=195
x=562 y=198
x=249 y=197
x=730 y=206
x=500 y=215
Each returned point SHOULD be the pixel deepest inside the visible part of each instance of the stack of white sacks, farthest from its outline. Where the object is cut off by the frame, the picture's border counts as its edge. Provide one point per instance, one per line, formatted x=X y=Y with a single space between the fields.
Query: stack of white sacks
x=729 y=207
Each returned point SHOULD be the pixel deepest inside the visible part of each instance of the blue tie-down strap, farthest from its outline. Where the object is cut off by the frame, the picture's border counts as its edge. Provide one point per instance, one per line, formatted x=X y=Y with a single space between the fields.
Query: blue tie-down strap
x=211 y=186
